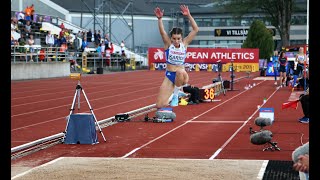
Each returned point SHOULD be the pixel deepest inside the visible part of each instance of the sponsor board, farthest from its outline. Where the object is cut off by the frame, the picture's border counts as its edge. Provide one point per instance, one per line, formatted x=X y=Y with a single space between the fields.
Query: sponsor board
x=238 y=67
x=244 y=59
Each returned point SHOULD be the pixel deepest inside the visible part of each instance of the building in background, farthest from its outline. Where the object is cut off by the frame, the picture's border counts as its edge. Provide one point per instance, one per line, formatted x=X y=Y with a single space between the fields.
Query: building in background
x=135 y=23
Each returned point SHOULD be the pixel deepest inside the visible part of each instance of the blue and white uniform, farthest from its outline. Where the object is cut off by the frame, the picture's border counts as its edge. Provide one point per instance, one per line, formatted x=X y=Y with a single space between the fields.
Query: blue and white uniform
x=175 y=56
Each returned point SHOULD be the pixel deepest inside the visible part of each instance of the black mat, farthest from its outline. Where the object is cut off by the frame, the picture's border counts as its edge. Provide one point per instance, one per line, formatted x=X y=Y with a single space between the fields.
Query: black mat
x=280 y=170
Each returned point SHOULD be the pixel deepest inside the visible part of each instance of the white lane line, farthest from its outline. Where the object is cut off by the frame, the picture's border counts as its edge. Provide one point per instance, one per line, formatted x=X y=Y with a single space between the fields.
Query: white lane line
x=262 y=169
x=124 y=94
x=159 y=137
x=217 y=122
x=235 y=133
x=96 y=109
x=131 y=152
x=43 y=165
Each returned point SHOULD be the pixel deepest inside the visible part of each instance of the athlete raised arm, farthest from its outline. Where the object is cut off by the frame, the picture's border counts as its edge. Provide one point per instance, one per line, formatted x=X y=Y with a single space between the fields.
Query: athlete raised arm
x=175 y=47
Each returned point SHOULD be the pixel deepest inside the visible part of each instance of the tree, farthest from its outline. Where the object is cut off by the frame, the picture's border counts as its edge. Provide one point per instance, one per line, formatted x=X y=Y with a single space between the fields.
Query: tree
x=278 y=12
x=259 y=36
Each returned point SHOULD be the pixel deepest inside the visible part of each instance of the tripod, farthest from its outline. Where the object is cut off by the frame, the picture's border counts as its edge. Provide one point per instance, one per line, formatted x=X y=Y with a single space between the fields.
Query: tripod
x=232 y=77
x=272 y=146
x=222 y=85
x=76 y=97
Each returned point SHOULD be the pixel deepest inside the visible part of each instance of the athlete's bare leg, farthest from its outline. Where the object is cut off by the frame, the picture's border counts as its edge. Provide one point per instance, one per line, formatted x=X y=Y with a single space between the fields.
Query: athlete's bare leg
x=182 y=77
x=166 y=90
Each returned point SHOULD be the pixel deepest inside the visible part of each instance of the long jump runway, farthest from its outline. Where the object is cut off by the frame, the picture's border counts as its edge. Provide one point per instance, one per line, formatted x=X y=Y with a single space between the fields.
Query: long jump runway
x=215 y=134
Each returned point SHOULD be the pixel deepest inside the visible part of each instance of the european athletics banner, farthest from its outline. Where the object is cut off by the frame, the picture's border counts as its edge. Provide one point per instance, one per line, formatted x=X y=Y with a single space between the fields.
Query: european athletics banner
x=243 y=58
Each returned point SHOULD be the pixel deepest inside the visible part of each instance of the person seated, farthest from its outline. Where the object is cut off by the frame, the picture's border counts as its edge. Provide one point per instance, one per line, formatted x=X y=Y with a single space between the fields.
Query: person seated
x=27 y=29
x=194 y=94
x=20 y=17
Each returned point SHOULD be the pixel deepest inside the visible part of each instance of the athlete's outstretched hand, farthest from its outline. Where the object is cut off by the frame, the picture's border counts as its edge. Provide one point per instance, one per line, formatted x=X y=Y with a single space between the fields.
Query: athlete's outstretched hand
x=158 y=12
x=184 y=10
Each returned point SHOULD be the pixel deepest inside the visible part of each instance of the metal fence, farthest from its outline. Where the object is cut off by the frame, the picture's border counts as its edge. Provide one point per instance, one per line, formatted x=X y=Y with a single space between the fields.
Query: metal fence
x=78 y=60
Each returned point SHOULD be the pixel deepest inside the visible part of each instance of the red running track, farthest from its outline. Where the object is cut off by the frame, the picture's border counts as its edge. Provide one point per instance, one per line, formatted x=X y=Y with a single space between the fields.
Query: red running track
x=217 y=130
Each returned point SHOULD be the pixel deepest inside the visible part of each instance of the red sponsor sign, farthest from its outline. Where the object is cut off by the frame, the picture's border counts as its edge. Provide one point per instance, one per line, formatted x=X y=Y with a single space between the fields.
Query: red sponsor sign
x=210 y=55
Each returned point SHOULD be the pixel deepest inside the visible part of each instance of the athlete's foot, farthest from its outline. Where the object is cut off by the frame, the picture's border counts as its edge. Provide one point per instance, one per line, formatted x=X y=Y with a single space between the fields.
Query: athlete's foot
x=174 y=101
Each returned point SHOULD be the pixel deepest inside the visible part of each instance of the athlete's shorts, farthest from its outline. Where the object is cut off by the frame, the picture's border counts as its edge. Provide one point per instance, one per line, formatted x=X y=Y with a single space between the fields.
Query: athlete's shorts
x=171 y=76
x=282 y=69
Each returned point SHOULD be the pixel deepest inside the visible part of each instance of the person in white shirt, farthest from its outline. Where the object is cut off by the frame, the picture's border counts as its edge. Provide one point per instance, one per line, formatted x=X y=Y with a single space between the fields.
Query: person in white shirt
x=49 y=39
x=20 y=17
x=122 y=46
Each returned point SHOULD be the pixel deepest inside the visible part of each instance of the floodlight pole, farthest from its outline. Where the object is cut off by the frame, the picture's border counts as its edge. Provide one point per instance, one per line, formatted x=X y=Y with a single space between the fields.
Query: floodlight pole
x=94 y=16
x=132 y=29
x=110 y=36
x=307 y=35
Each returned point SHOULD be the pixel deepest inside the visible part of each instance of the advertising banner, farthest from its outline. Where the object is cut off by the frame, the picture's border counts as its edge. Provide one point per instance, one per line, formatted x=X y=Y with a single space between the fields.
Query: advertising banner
x=208 y=57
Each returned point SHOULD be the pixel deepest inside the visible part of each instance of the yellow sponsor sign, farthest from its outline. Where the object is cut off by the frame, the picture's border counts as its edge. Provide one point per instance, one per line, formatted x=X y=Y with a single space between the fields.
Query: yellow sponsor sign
x=241 y=67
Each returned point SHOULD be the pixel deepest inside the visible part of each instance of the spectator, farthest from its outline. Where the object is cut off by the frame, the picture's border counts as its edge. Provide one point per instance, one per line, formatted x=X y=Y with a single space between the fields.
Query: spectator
x=84 y=34
x=108 y=57
x=27 y=28
x=99 y=36
x=122 y=45
x=50 y=40
x=13 y=41
x=27 y=12
x=57 y=42
x=282 y=61
x=40 y=19
x=31 y=12
x=275 y=62
x=73 y=61
x=303 y=81
x=61 y=33
x=123 y=60
x=31 y=48
x=80 y=35
x=106 y=41
x=42 y=55
x=96 y=38
x=77 y=42
x=84 y=44
x=103 y=47
x=63 y=42
x=14 y=25
x=300 y=60
x=89 y=35
x=21 y=17
x=304 y=100
x=62 y=26
x=111 y=48
x=98 y=49
x=22 y=42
